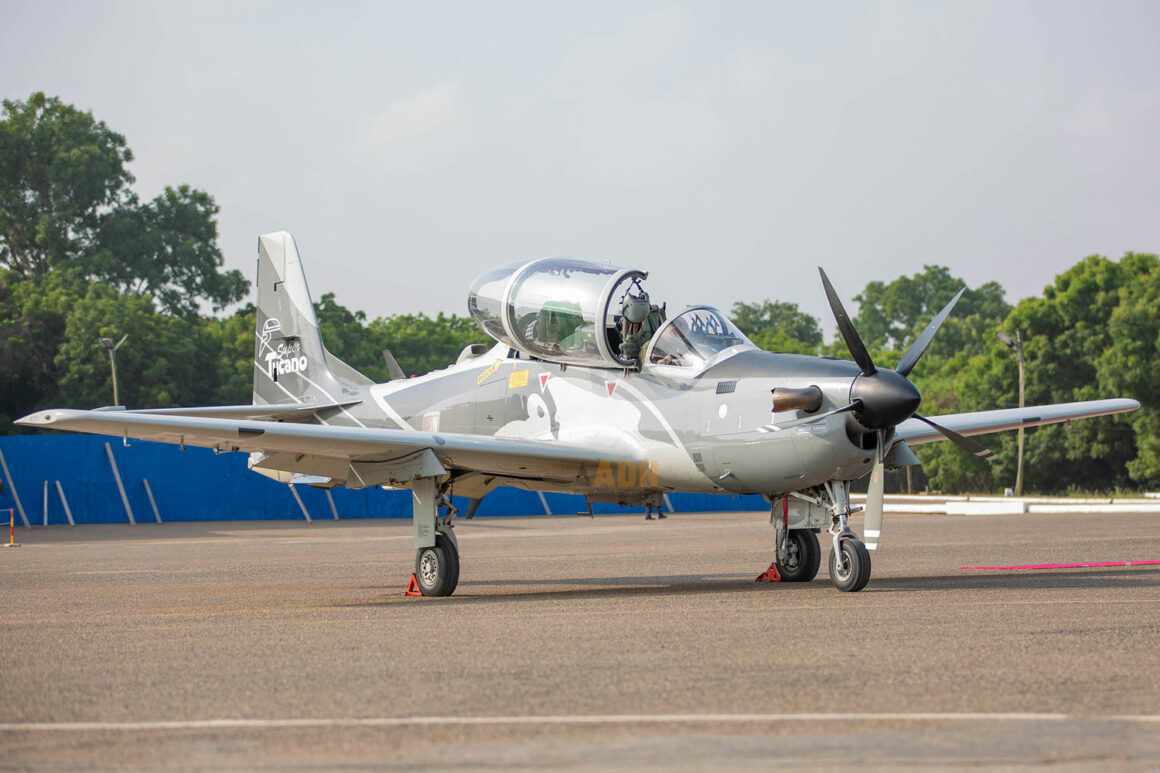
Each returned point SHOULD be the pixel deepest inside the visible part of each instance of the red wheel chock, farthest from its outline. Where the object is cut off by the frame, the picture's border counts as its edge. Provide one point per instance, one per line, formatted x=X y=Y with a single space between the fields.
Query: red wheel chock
x=413 y=586
x=769 y=575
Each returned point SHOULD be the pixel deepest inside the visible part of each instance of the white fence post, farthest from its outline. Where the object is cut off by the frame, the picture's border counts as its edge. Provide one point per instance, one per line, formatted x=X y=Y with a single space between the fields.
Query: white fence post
x=120 y=485
x=64 y=501
x=12 y=488
x=152 y=501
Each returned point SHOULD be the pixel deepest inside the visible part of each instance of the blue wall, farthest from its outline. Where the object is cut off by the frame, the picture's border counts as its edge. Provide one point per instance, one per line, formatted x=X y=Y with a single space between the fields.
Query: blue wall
x=198 y=485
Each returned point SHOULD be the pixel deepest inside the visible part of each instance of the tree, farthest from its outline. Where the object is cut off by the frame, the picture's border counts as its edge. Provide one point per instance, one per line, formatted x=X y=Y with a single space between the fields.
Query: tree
x=33 y=315
x=60 y=171
x=1131 y=365
x=1072 y=354
x=778 y=326
x=420 y=343
x=166 y=360
x=232 y=343
x=66 y=204
x=167 y=248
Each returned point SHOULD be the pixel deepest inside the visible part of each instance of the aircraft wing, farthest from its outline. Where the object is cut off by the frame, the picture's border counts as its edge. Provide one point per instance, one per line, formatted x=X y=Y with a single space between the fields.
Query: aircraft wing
x=360 y=455
x=277 y=411
x=914 y=431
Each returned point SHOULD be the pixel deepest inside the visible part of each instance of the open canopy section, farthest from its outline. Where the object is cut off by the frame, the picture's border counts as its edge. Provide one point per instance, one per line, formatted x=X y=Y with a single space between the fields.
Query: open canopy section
x=569 y=311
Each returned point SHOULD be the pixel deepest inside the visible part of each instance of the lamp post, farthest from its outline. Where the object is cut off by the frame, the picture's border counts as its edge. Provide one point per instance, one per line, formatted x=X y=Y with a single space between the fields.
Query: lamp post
x=112 y=348
x=1015 y=344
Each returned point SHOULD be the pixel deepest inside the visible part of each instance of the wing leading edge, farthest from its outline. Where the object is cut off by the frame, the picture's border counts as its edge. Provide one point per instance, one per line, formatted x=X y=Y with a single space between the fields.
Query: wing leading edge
x=915 y=432
x=342 y=453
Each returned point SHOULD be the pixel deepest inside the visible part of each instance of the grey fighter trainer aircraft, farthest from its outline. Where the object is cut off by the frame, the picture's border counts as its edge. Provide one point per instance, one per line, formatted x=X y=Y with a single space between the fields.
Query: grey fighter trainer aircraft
x=592 y=388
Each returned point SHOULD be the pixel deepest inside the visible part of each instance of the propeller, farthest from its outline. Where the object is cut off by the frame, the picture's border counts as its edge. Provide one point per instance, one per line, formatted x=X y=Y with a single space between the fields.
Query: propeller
x=973 y=447
x=881 y=399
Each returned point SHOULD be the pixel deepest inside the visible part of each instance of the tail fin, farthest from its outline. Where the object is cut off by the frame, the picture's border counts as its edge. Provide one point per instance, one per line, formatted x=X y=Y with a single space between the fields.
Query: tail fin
x=290 y=362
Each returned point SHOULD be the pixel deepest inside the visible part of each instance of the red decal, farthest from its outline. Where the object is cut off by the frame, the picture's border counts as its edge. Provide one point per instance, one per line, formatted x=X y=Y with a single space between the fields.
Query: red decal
x=1078 y=565
x=544 y=380
x=610 y=386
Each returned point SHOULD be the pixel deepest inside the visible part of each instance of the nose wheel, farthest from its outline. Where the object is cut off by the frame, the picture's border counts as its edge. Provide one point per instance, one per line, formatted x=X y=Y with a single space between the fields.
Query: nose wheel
x=850 y=565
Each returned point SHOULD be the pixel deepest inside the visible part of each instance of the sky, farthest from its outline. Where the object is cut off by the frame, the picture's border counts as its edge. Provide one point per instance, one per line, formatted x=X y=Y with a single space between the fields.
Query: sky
x=728 y=149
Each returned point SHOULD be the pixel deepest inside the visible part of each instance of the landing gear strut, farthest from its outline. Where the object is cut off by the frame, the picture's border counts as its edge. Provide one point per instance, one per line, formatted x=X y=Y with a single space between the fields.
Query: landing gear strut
x=436 y=548
x=849 y=559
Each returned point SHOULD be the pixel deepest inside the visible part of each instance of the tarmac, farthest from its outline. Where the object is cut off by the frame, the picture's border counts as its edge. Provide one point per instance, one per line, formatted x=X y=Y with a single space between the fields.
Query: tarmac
x=580 y=644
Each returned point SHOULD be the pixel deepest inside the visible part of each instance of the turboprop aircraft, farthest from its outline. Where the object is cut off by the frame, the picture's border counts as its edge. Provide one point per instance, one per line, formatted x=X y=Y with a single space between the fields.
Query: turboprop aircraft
x=590 y=388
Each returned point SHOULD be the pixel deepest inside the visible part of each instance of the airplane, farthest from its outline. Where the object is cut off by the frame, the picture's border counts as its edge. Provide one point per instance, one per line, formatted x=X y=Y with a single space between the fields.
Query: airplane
x=590 y=388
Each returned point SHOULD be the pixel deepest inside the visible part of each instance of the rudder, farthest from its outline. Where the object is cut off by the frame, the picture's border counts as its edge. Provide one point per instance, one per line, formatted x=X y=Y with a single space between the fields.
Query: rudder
x=290 y=362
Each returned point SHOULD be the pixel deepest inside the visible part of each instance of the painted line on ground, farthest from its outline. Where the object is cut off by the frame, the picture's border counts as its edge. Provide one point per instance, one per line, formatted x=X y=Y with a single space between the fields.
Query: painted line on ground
x=576 y=719
x=1042 y=567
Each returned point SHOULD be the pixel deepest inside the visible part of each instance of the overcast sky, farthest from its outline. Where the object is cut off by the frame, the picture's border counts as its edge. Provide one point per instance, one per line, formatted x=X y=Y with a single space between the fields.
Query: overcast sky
x=728 y=150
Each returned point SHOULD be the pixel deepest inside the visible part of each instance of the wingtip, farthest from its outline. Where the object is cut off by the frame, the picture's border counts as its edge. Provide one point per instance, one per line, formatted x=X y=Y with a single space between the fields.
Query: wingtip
x=38 y=419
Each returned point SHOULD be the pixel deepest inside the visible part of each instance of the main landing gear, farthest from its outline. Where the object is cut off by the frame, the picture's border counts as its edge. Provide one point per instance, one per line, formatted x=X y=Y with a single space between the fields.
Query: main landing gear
x=798 y=554
x=436 y=548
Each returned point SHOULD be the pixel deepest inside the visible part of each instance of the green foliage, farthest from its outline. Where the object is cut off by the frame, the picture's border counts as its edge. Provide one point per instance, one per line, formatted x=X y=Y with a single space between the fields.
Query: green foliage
x=778 y=326
x=420 y=343
x=33 y=314
x=233 y=351
x=65 y=204
x=163 y=361
x=166 y=248
x=60 y=171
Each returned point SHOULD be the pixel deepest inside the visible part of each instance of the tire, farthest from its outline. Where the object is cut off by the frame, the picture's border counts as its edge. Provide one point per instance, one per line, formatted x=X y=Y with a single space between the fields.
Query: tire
x=805 y=557
x=437 y=568
x=854 y=576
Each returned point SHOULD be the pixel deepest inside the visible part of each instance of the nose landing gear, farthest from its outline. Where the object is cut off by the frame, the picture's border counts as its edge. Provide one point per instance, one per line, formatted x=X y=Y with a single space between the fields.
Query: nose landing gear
x=849 y=559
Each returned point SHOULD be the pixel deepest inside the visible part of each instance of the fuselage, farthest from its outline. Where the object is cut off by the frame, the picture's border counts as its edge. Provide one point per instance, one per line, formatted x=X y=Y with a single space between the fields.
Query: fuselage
x=691 y=431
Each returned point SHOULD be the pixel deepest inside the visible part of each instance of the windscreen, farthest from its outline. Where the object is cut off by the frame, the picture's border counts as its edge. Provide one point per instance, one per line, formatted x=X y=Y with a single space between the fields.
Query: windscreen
x=694 y=337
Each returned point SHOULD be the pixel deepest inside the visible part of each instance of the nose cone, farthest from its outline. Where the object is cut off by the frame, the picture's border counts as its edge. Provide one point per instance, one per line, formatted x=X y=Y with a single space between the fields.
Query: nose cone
x=888 y=399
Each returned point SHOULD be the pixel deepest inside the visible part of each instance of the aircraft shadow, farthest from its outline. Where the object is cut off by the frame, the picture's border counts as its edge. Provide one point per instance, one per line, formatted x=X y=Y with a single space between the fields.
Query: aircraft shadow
x=674 y=585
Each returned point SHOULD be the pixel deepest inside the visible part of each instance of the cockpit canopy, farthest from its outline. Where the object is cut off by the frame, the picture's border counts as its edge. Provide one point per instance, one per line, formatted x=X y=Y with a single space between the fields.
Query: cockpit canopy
x=566 y=310
x=593 y=314
x=695 y=337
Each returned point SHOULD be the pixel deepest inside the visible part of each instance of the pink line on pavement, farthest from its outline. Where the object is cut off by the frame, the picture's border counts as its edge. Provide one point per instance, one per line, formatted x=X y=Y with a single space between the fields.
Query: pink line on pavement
x=1079 y=565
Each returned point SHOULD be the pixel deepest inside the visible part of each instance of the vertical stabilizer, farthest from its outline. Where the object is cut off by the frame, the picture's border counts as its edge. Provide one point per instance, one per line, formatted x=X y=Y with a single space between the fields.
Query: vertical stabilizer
x=290 y=362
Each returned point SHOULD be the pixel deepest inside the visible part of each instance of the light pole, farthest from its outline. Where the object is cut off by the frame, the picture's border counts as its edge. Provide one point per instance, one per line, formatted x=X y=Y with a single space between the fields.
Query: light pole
x=1015 y=344
x=112 y=348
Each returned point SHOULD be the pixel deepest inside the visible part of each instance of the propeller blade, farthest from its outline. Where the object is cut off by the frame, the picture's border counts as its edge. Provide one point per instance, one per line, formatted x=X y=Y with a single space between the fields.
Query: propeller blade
x=846 y=328
x=918 y=348
x=396 y=373
x=810 y=419
x=872 y=515
x=964 y=443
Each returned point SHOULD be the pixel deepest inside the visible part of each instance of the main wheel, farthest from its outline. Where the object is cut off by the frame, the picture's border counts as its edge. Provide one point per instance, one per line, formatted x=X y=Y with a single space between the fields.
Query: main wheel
x=851 y=571
x=437 y=568
x=804 y=556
